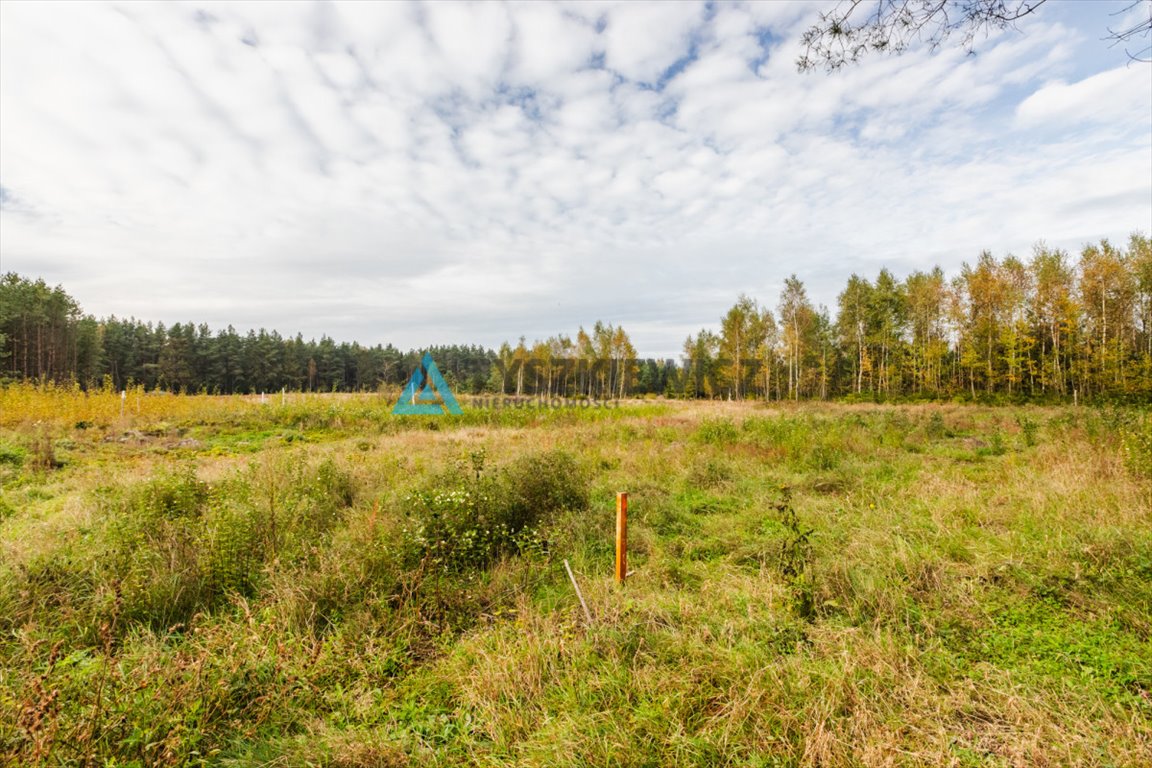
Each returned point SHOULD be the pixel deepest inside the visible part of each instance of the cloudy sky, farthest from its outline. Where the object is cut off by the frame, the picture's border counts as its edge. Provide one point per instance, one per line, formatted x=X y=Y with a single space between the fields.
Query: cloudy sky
x=447 y=173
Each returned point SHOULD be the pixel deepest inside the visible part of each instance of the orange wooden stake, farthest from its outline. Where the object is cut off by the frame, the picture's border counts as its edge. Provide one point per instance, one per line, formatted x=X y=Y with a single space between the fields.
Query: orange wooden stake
x=621 y=537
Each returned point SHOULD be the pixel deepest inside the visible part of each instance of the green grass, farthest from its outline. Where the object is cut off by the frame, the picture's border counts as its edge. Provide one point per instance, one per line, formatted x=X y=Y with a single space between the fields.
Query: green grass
x=322 y=583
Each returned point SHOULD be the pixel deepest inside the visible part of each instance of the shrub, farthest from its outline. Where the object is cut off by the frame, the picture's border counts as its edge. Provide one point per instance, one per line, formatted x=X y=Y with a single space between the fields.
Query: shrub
x=292 y=503
x=12 y=455
x=936 y=428
x=162 y=580
x=171 y=495
x=1137 y=445
x=806 y=443
x=43 y=452
x=996 y=446
x=1028 y=429
x=717 y=432
x=709 y=474
x=233 y=551
x=537 y=486
x=177 y=545
x=795 y=556
x=467 y=517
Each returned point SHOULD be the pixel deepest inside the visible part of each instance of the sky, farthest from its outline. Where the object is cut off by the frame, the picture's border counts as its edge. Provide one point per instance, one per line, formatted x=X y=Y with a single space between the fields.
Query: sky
x=450 y=173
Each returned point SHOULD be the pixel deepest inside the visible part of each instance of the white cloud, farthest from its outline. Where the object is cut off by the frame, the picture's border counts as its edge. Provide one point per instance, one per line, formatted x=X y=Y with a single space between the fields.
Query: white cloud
x=1115 y=94
x=642 y=40
x=473 y=40
x=549 y=44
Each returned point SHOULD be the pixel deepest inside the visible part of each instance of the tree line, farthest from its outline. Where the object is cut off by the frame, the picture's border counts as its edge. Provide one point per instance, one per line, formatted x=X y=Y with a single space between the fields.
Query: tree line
x=1048 y=327
x=45 y=336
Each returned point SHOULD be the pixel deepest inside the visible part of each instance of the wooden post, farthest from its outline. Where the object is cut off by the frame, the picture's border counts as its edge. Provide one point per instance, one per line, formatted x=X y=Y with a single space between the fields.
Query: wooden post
x=621 y=537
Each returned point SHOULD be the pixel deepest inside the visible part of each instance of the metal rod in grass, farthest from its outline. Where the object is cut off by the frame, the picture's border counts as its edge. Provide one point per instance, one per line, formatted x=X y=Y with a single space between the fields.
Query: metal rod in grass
x=575 y=586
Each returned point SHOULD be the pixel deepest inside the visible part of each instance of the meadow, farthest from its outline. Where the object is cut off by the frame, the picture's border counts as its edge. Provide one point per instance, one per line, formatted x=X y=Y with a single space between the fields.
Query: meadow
x=312 y=581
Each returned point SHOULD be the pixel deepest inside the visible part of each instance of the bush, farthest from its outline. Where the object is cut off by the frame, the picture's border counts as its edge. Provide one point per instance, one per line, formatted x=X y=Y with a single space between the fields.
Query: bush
x=233 y=551
x=1137 y=445
x=717 y=432
x=177 y=545
x=162 y=581
x=12 y=455
x=1028 y=429
x=467 y=517
x=535 y=487
x=171 y=495
x=936 y=429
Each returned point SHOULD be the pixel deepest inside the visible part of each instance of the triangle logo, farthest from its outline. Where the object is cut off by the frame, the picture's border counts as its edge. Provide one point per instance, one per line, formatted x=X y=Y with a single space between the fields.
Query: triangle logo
x=426 y=393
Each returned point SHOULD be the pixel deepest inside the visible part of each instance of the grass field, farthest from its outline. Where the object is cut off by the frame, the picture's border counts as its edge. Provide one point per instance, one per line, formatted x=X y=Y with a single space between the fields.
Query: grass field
x=220 y=581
